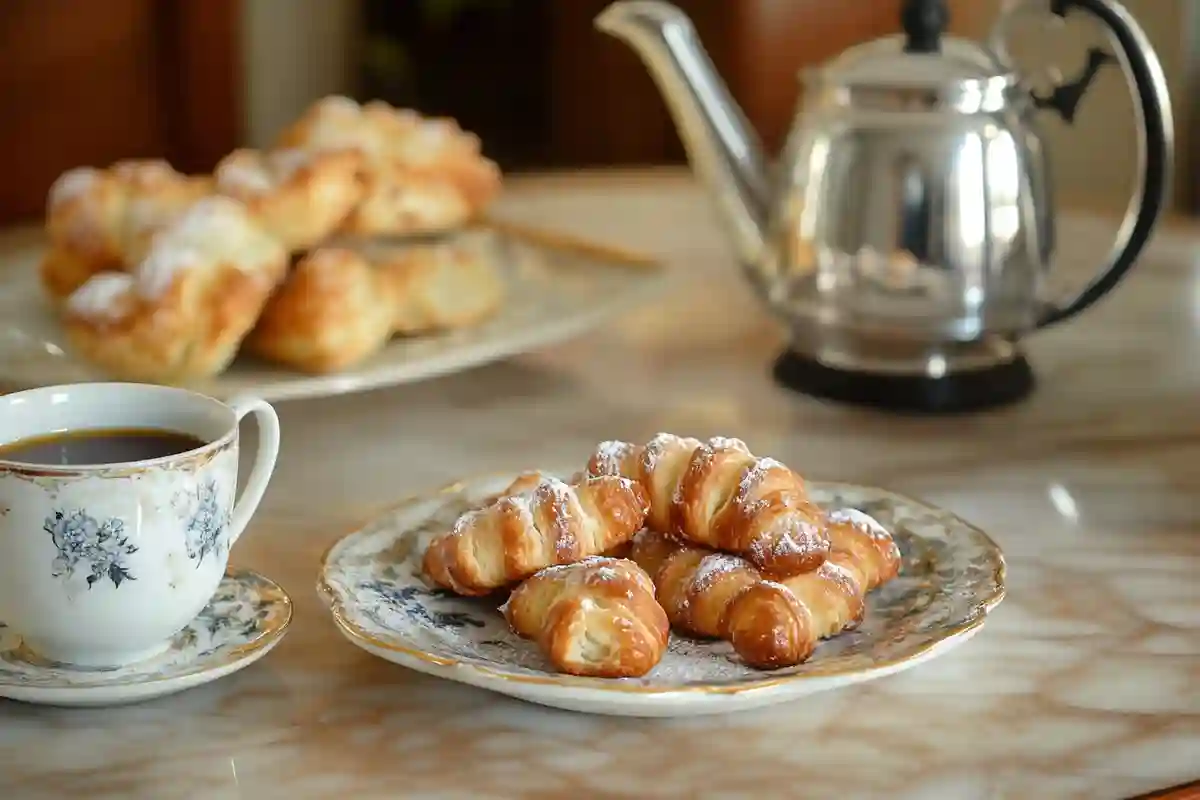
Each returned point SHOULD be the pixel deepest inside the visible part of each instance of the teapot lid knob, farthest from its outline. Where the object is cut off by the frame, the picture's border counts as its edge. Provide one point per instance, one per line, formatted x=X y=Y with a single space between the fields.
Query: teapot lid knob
x=924 y=21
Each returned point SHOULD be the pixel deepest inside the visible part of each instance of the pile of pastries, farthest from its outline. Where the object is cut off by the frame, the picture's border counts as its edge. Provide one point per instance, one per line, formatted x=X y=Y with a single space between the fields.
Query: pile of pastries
x=701 y=537
x=165 y=277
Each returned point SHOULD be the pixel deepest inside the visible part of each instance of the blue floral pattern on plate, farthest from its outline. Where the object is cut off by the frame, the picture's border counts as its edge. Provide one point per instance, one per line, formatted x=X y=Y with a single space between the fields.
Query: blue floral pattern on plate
x=91 y=545
x=247 y=613
x=952 y=576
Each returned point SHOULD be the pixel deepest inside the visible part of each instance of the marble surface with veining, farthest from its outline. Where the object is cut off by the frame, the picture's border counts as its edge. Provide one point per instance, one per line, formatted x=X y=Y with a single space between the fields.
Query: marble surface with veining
x=1085 y=683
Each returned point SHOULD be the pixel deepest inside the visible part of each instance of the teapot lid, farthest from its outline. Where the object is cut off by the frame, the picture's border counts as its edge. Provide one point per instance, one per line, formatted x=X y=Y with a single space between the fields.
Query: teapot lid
x=922 y=64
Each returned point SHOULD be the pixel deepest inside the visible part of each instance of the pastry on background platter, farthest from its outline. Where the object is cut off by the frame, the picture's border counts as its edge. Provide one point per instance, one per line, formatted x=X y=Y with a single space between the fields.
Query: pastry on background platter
x=101 y=220
x=419 y=174
x=297 y=196
x=339 y=306
x=183 y=311
x=341 y=176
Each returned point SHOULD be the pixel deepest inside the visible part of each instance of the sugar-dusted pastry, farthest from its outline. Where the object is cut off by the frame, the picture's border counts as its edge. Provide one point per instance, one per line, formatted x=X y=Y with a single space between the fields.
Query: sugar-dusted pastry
x=596 y=617
x=718 y=495
x=527 y=481
x=770 y=624
x=340 y=306
x=186 y=307
x=340 y=123
x=333 y=310
x=549 y=523
x=401 y=200
x=440 y=286
x=298 y=196
x=419 y=174
x=103 y=219
x=871 y=549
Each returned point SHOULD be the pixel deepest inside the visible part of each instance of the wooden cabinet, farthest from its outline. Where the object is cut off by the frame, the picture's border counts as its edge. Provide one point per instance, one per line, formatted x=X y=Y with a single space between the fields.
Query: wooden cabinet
x=92 y=81
x=607 y=110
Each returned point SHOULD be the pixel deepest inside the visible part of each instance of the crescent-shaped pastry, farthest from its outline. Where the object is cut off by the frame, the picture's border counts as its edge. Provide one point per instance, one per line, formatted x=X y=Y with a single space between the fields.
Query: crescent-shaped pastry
x=717 y=494
x=770 y=623
x=596 y=617
x=549 y=523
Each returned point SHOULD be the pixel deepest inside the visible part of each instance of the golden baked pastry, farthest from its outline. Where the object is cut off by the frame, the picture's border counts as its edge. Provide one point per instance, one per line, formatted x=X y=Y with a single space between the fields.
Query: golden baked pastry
x=859 y=542
x=770 y=624
x=717 y=494
x=440 y=286
x=419 y=174
x=596 y=617
x=298 y=196
x=103 y=219
x=340 y=306
x=333 y=310
x=400 y=200
x=184 y=310
x=550 y=523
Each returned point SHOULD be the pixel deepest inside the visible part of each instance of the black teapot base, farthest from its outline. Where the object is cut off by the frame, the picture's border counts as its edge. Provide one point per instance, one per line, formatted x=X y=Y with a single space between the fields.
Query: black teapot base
x=954 y=393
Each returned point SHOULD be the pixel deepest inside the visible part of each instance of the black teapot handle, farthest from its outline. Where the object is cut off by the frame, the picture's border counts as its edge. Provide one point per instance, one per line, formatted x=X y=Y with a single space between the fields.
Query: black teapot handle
x=1155 y=132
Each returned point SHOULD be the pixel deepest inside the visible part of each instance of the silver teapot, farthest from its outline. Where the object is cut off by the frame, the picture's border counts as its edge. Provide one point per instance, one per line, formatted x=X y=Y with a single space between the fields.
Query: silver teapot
x=905 y=232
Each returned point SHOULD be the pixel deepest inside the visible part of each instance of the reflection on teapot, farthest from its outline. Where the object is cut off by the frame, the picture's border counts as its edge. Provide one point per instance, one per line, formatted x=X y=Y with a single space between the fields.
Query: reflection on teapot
x=905 y=232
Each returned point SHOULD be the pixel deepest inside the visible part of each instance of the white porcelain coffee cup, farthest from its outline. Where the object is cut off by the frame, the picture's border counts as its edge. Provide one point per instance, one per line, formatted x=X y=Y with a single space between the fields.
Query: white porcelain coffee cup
x=101 y=565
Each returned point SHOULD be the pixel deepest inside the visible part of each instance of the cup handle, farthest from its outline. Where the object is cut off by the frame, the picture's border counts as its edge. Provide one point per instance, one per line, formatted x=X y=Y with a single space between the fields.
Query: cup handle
x=264 y=461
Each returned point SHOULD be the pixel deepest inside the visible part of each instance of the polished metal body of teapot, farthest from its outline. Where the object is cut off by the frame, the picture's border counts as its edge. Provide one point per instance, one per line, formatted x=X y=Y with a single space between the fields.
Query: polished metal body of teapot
x=905 y=232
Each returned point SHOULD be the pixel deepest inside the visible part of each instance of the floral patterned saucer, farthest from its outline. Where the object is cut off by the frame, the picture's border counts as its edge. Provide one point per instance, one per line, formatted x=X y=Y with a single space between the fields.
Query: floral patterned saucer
x=245 y=619
x=952 y=576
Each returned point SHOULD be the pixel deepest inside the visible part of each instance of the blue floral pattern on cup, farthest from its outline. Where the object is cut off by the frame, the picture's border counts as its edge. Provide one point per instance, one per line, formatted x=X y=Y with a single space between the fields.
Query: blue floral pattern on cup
x=204 y=530
x=85 y=543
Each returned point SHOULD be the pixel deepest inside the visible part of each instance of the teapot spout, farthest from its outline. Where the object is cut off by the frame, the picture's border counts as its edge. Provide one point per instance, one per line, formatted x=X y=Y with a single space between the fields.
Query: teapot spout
x=724 y=150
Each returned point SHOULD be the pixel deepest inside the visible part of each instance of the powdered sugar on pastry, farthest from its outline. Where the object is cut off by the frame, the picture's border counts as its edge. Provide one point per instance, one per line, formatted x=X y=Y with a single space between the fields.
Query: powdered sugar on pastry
x=753 y=476
x=72 y=184
x=145 y=172
x=712 y=567
x=212 y=216
x=158 y=271
x=610 y=457
x=103 y=298
x=796 y=534
x=660 y=444
x=339 y=105
x=244 y=176
x=861 y=520
x=727 y=443
x=253 y=173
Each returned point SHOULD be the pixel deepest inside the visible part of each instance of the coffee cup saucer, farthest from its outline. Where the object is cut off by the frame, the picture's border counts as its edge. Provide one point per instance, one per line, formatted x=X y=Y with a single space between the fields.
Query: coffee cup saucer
x=247 y=616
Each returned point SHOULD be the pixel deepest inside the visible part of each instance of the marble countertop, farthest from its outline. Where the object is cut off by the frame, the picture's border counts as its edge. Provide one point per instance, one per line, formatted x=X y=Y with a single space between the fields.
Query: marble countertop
x=1085 y=683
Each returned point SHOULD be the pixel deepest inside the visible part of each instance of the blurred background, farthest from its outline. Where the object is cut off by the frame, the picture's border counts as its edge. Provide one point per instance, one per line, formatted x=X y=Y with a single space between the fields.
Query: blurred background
x=91 y=81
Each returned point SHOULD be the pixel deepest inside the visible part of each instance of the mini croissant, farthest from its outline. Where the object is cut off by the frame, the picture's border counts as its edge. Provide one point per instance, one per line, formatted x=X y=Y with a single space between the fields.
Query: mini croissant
x=549 y=523
x=717 y=494
x=770 y=624
x=596 y=617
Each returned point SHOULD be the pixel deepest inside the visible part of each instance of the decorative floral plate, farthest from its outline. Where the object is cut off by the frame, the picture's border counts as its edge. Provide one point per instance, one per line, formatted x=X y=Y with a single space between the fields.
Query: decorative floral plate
x=952 y=576
x=245 y=619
